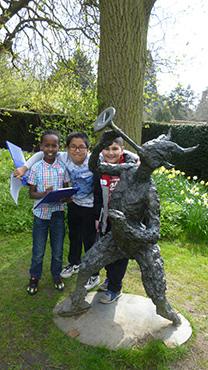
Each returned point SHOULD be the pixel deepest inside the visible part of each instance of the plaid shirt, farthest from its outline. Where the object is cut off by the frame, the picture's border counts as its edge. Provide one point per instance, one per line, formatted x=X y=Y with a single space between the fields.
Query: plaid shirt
x=43 y=175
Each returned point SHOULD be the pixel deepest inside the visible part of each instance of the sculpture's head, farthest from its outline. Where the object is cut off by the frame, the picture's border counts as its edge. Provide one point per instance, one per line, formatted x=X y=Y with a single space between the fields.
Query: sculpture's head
x=158 y=152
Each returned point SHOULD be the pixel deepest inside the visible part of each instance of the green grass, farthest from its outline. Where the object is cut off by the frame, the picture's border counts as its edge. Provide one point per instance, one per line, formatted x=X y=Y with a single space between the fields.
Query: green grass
x=29 y=336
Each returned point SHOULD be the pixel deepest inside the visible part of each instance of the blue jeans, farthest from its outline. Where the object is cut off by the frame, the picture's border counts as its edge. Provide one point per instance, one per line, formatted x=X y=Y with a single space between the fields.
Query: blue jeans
x=56 y=226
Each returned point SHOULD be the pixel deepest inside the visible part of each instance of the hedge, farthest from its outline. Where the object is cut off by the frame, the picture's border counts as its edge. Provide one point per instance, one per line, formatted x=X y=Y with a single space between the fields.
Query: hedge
x=15 y=126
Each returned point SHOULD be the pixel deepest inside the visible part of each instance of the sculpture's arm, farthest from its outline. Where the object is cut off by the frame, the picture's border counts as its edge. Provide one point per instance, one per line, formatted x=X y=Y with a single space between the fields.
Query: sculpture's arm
x=114 y=169
x=131 y=231
x=95 y=165
x=94 y=159
x=137 y=234
x=152 y=214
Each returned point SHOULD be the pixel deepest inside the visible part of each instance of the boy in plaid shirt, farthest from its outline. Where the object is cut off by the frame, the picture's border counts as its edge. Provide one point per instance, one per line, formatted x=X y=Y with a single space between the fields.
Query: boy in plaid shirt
x=46 y=175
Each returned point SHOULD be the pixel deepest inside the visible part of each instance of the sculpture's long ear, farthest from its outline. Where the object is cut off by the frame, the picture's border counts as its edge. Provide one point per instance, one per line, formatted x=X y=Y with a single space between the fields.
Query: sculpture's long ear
x=168 y=136
x=179 y=150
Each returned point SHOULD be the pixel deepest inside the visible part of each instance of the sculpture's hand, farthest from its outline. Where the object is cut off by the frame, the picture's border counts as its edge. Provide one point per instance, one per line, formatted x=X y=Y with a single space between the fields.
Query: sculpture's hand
x=108 y=137
x=116 y=215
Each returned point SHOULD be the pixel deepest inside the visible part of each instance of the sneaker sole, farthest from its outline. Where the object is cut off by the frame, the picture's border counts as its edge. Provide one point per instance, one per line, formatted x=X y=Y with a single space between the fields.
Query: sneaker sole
x=59 y=289
x=92 y=286
x=65 y=275
x=32 y=293
x=108 y=302
x=102 y=289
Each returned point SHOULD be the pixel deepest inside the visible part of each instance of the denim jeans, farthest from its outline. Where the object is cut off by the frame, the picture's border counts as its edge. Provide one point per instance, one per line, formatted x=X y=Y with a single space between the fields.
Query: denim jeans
x=56 y=226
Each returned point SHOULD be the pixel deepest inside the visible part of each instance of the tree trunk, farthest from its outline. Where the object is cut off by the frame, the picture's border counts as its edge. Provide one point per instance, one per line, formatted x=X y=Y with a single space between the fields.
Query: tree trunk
x=122 y=59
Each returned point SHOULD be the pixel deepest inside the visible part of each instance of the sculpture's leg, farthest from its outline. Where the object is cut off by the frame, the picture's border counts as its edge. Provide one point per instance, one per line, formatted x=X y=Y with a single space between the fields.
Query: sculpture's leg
x=153 y=278
x=98 y=256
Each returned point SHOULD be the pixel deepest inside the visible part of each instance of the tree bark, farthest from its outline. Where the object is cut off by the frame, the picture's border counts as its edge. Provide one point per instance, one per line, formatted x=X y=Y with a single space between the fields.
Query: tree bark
x=122 y=60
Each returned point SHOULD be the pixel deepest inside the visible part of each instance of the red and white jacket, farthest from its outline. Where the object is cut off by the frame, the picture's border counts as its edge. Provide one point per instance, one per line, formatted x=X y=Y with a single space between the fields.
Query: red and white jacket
x=103 y=188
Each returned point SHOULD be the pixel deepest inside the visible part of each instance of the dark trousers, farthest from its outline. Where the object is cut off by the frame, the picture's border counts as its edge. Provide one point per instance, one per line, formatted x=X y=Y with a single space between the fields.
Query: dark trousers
x=56 y=227
x=115 y=274
x=116 y=270
x=81 y=223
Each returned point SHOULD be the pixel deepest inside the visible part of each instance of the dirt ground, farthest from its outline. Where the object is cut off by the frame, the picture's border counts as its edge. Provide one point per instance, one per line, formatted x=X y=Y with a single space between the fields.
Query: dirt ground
x=197 y=358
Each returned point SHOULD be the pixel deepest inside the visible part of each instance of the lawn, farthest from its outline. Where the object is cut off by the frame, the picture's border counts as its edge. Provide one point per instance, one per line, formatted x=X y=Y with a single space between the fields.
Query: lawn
x=29 y=339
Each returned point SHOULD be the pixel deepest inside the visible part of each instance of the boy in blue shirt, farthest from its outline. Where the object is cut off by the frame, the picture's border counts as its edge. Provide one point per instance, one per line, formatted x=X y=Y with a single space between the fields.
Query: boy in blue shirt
x=46 y=175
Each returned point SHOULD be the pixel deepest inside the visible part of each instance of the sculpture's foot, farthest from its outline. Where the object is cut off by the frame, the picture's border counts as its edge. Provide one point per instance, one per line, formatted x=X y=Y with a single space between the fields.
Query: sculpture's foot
x=67 y=311
x=165 y=310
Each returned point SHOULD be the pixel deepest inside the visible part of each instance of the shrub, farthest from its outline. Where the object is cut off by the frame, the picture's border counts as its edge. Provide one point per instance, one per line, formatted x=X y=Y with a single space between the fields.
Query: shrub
x=184 y=203
x=13 y=218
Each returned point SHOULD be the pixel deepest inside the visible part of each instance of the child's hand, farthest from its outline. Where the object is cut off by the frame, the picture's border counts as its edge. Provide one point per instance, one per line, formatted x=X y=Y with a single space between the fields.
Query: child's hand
x=108 y=137
x=66 y=200
x=97 y=225
x=138 y=161
x=48 y=189
x=20 y=171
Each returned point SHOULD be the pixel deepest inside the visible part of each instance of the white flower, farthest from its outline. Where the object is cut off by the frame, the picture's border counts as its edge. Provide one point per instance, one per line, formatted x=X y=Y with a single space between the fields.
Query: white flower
x=190 y=201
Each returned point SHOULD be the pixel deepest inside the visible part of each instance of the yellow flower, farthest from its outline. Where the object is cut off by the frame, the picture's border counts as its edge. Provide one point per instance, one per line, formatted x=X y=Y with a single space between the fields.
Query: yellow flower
x=182 y=173
x=171 y=176
x=189 y=177
x=182 y=191
x=162 y=169
x=202 y=182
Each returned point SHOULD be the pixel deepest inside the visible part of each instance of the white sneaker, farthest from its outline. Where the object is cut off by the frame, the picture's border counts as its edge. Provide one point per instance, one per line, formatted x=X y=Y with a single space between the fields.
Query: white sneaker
x=69 y=271
x=92 y=282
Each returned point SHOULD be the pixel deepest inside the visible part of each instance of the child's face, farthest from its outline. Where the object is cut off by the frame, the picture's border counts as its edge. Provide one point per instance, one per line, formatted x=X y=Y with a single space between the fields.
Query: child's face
x=112 y=154
x=77 y=150
x=50 y=147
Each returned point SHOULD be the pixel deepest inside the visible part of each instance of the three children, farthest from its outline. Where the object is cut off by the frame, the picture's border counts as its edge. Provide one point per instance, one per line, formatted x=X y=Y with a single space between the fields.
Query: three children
x=86 y=206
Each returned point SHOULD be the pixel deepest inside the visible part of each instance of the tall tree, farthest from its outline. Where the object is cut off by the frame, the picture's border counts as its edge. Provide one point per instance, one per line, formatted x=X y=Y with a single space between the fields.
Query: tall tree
x=150 y=93
x=122 y=59
x=181 y=102
x=52 y=23
x=81 y=66
x=202 y=109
